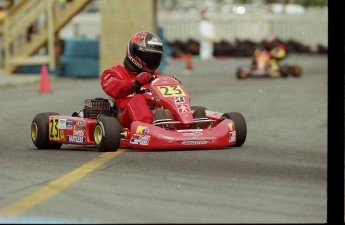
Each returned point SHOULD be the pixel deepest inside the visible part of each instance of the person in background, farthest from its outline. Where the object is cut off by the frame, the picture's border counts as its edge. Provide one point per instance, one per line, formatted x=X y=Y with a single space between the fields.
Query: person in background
x=123 y=83
x=207 y=36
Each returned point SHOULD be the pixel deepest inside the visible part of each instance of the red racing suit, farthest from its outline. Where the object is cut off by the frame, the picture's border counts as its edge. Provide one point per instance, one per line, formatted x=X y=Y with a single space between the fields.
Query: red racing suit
x=117 y=82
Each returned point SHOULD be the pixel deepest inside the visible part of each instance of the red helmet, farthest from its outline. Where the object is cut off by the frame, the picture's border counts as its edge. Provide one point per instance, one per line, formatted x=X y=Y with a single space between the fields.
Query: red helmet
x=144 y=52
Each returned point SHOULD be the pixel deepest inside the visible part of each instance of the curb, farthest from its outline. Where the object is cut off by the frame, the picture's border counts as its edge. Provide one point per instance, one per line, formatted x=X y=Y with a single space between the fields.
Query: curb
x=11 y=81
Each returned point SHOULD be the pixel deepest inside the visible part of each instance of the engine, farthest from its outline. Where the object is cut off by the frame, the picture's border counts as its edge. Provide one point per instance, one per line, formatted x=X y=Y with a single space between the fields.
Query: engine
x=94 y=107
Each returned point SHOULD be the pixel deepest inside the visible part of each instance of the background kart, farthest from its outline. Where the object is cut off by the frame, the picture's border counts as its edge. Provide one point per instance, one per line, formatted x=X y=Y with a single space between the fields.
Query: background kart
x=176 y=124
x=261 y=68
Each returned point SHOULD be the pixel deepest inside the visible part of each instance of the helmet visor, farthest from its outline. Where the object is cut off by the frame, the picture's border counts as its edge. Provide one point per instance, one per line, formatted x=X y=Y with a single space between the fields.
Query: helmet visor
x=152 y=60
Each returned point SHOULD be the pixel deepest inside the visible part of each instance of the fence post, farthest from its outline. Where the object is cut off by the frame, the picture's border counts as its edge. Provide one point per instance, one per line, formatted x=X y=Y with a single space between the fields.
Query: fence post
x=51 y=35
x=6 y=34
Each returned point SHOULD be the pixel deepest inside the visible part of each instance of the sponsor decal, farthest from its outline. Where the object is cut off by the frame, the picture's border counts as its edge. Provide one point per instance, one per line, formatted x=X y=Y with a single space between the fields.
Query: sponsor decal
x=232 y=136
x=142 y=130
x=195 y=134
x=62 y=124
x=194 y=142
x=140 y=139
x=76 y=127
x=69 y=124
x=80 y=125
x=231 y=126
x=78 y=133
x=76 y=139
x=62 y=135
x=183 y=108
x=179 y=100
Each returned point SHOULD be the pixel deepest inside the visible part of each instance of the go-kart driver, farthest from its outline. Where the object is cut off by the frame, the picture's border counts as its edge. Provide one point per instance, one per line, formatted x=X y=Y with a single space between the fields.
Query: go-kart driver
x=143 y=57
x=276 y=51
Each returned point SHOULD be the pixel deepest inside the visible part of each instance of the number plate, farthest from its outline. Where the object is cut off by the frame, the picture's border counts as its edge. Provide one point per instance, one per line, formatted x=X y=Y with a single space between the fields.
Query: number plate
x=171 y=91
x=55 y=125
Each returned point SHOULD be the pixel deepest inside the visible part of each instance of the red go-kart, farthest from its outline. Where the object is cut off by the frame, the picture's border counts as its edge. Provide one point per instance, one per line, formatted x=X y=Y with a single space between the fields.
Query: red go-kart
x=261 y=67
x=176 y=124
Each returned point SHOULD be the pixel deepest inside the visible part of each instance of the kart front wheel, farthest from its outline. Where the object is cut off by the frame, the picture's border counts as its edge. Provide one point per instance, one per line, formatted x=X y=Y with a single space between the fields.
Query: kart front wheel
x=199 y=112
x=40 y=131
x=284 y=70
x=240 y=125
x=107 y=134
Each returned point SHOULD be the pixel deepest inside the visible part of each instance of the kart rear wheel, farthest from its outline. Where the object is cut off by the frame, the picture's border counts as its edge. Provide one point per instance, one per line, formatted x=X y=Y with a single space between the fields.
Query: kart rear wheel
x=40 y=131
x=240 y=125
x=107 y=134
x=242 y=73
x=296 y=71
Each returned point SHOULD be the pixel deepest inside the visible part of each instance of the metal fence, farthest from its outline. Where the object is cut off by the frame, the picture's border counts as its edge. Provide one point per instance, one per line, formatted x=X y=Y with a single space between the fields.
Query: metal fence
x=309 y=29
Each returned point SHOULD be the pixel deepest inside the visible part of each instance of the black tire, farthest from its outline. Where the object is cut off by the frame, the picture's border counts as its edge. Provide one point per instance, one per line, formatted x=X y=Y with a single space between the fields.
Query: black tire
x=296 y=71
x=40 y=131
x=241 y=126
x=107 y=134
x=199 y=112
x=241 y=74
x=284 y=70
x=159 y=114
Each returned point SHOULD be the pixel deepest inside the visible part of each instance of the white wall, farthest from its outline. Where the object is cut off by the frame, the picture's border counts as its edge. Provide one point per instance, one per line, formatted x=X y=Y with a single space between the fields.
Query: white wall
x=309 y=29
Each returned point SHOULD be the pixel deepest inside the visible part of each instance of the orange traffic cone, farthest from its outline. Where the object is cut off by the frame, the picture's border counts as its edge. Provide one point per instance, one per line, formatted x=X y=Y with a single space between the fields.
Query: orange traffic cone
x=44 y=84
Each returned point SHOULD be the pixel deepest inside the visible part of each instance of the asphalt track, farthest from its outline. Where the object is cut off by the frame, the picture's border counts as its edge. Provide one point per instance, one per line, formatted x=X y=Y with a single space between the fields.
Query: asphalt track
x=279 y=175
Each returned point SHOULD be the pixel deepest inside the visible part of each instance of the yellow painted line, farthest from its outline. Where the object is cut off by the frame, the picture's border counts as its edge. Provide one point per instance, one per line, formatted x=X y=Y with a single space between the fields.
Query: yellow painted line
x=58 y=185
